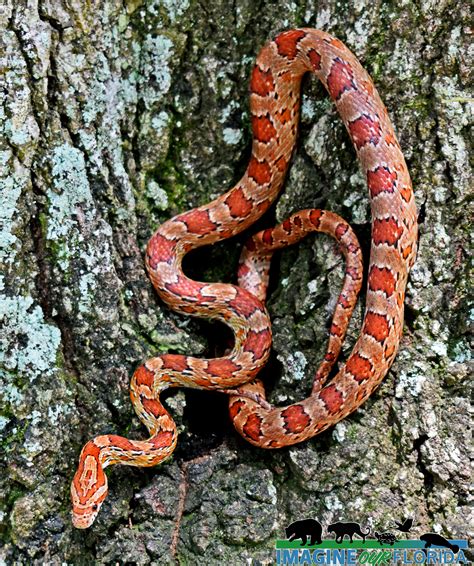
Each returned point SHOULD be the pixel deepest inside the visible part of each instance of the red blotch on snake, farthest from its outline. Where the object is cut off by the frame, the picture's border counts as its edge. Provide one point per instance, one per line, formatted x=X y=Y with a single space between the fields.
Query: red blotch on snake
x=176 y=362
x=382 y=279
x=342 y=300
x=359 y=367
x=244 y=303
x=160 y=249
x=267 y=237
x=406 y=193
x=406 y=251
x=243 y=270
x=185 y=287
x=263 y=128
x=235 y=408
x=253 y=427
x=364 y=130
x=258 y=342
x=198 y=221
x=121 y=442
x=337 y=43
x=341 y=230
x=295 y=418
x=315 y=59
x=284 y=116
x=376 y=325
x=260 y=171
x=336 y=330
x=315 y=217
x=386 y=231
x=222 y=367
x=152 y=406
x=340 y=79
x=389 y=352
x=144 y=376
x=381 y=180
x=287 y=43
x=263 y=205
x=262 y=82
x=239 y=205
x=332 y=398
x=162 y=439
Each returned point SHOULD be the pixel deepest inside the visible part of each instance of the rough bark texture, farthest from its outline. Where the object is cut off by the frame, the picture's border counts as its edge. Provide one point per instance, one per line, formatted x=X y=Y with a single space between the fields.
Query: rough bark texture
x=117 y=115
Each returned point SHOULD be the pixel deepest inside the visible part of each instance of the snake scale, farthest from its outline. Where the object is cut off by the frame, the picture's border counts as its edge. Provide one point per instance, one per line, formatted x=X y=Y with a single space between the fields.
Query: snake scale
x=274 y=105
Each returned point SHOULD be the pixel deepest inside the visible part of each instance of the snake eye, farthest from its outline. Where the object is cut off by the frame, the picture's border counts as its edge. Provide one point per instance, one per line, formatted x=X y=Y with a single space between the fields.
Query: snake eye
x=95 y=507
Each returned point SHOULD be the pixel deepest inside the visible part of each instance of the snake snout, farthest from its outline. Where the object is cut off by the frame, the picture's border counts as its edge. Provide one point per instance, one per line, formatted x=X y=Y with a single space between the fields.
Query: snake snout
x=84 y=520
x=86 y=505
x=89 y=487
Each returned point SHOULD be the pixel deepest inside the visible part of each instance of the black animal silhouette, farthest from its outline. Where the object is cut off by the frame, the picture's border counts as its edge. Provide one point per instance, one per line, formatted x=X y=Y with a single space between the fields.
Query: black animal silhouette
x=349 y=529
x=438 y=540
x=404 y=526
x=386 y=538
x=304 y=529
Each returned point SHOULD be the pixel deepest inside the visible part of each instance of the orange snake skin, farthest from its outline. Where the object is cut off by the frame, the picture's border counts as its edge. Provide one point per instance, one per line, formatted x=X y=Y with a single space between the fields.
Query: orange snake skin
x=274 y=105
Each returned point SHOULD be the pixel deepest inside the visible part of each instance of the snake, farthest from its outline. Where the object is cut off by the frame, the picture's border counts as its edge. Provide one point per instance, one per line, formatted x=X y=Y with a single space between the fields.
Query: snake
x=275 y=101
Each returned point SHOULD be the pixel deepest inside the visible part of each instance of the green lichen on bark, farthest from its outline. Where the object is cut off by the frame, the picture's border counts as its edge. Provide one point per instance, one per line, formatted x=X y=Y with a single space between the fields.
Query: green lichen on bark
x=115 y=116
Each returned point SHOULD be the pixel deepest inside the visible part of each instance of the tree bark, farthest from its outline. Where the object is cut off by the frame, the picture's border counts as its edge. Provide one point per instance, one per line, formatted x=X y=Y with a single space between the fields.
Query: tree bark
x=116 y=116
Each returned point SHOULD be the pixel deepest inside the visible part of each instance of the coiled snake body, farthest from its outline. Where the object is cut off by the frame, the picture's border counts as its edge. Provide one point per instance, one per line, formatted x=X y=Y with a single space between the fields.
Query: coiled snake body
x=274 y=105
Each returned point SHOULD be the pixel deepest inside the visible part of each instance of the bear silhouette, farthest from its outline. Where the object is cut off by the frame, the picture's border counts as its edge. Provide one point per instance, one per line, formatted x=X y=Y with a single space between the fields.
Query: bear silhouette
x=438 y=540
x=350 y=529
x=304 y=529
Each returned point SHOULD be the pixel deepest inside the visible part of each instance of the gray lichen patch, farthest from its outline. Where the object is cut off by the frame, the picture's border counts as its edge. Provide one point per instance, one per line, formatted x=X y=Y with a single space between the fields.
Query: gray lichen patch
x=74 y=232
x=19 y=135
x=19 y=127
x=455 y=113
x=155 y=74
x=28 y=344
x=13 y=178
x=69 y=200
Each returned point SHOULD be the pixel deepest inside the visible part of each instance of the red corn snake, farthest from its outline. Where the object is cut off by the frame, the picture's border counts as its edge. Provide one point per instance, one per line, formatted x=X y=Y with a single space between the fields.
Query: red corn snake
x=274 y=105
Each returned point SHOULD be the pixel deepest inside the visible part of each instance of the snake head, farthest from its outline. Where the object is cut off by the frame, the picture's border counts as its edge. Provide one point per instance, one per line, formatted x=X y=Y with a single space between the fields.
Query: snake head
x=89 y=486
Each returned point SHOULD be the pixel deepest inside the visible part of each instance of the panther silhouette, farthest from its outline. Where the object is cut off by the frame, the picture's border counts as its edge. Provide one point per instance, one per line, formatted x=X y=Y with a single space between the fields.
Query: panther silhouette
x=304 y=529
x=350 y=529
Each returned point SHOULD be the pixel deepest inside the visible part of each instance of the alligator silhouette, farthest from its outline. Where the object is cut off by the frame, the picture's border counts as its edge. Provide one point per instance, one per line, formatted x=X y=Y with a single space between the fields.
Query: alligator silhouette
x=304 y=529
x=350 y=529
x=438 y=540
